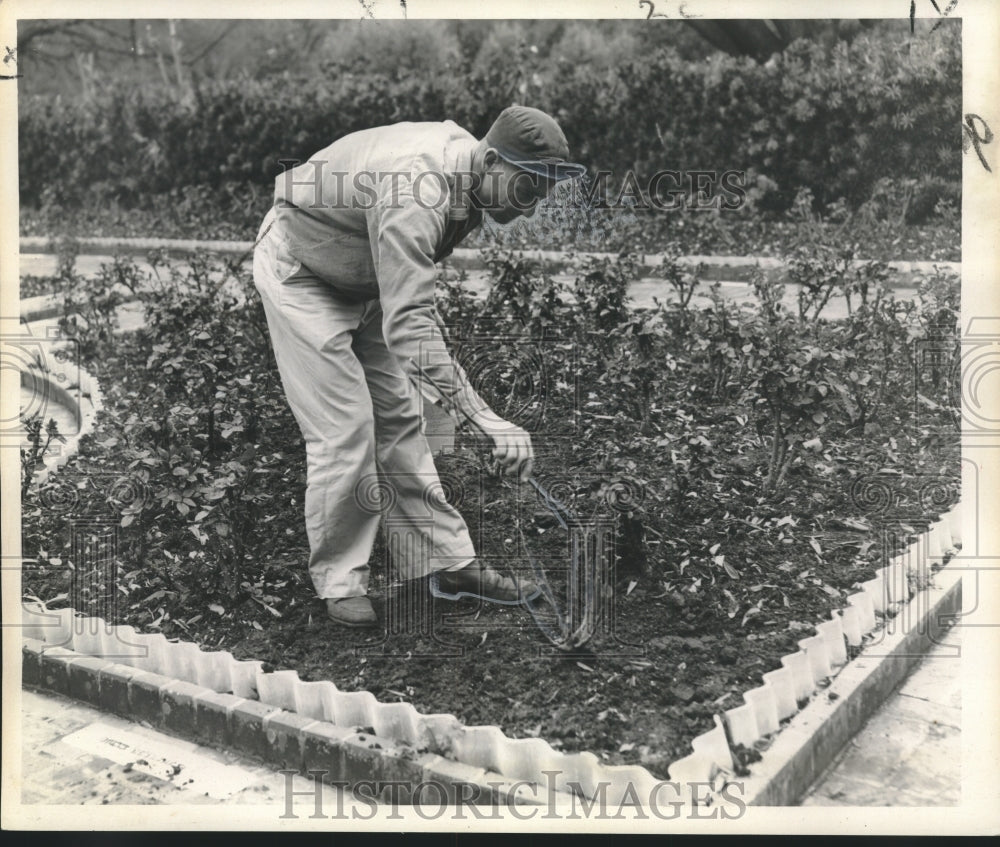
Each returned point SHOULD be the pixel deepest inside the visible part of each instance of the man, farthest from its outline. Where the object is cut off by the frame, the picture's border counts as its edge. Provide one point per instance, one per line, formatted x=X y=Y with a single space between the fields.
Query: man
x=345 y=266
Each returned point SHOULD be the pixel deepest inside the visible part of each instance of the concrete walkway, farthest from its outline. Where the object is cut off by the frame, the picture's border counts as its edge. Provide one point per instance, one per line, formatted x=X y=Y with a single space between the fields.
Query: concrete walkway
x=75 y=755
x=642 y=291
x=910 y=751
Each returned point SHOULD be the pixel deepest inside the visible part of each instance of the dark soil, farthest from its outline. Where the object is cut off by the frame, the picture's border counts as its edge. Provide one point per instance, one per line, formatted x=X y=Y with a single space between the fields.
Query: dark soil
x=677 y=656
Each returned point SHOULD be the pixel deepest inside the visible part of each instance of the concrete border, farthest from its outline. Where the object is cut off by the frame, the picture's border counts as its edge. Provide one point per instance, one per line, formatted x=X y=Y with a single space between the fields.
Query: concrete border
x=722 y=268
x=81 y=396
x=266 y=733
x=804 y=749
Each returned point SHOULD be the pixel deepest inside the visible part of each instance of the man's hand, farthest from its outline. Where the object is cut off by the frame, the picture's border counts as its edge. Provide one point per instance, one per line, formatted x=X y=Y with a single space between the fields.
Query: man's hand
x=511 y=444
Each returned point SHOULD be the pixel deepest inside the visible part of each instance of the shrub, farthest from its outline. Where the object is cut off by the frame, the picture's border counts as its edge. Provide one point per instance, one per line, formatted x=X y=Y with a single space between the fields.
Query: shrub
x=694 y=428
x=90 y=304
x=204 y=437
x=835 y=121
x=39 y=439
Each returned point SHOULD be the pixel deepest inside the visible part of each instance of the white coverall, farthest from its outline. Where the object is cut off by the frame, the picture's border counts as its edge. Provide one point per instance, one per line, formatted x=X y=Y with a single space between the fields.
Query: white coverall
x=345 y=266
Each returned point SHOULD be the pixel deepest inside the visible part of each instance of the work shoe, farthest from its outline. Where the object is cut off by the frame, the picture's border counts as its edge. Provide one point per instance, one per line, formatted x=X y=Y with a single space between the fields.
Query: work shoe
x=478 y=580
x=351 y=611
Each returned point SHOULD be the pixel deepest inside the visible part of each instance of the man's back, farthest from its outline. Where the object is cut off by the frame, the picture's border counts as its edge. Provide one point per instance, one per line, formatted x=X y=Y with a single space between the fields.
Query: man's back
x=330 y=205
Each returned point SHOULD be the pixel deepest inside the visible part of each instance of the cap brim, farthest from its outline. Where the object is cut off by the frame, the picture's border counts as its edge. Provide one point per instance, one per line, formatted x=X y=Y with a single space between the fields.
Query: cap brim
x=557 y=171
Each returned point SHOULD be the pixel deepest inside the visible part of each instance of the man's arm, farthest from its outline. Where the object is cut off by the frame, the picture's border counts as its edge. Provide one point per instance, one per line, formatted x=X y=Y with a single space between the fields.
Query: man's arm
x=404 y=236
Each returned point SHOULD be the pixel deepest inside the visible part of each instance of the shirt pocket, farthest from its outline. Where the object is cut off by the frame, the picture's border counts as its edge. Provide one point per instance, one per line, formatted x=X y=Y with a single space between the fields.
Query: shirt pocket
x=344 y=263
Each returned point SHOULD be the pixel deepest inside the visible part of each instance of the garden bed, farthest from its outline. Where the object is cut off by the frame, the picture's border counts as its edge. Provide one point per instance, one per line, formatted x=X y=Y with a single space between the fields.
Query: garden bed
x=761 y=465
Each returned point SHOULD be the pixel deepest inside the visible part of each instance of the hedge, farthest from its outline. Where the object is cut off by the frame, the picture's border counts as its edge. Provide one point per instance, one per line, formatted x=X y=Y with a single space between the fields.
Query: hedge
x=834 y=121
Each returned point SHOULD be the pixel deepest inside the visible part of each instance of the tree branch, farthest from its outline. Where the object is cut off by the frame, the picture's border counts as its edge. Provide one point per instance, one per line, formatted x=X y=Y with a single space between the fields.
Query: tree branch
x=214 y=42
x=37 y=32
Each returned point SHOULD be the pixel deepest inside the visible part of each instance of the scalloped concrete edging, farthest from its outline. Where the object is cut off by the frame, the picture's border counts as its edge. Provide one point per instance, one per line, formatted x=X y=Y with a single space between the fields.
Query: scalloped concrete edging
x=725 y=268
x=45 y=379
x=483 y=748
x=807 y=745
x=337 y=754
x=804 y=749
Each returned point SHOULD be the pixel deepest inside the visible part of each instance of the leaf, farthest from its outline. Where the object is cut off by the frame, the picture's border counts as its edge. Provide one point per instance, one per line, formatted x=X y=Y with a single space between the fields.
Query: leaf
x=734 y=606
x=753 y=610
x=256 y=626
x=215 y=607
x=271 y=609
x=786 y=520
x=852 y=523
x=127 y=520
x=733 y=573
x=714 y=549
x=815 y=545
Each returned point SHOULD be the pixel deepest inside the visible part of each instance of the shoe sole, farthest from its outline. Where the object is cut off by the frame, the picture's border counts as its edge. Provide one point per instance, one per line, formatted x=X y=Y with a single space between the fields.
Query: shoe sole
x=436 y=591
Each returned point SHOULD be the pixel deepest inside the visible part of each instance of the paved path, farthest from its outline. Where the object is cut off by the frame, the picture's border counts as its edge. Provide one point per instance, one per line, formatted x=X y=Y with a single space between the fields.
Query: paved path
x=642 y=290
x=73 y=754
x=910 y=752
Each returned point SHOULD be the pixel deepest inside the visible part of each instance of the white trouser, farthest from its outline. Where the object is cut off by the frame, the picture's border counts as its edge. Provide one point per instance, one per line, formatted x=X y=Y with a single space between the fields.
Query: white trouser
x=360 y=416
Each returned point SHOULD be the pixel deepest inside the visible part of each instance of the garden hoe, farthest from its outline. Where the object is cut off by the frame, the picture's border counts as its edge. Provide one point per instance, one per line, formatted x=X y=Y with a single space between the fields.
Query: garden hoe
x=567 y=631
